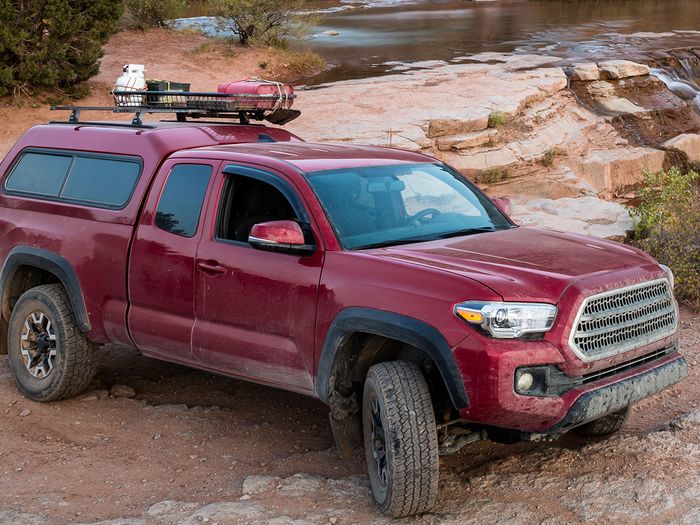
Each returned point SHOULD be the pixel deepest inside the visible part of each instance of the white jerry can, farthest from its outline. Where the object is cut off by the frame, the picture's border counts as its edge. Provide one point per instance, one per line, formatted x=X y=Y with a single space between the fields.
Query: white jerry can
x=132 y=79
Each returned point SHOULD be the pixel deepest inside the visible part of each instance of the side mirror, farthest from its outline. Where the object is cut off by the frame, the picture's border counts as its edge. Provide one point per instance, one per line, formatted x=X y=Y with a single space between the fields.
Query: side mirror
x=502 y=203
x=279 y=236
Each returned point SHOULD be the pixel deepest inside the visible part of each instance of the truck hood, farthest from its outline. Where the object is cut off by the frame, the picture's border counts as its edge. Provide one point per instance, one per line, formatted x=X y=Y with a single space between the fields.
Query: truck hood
x=525 y=264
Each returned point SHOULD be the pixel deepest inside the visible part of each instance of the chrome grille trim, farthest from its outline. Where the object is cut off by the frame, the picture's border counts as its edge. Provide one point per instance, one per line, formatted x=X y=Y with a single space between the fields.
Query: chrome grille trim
x=620 y=320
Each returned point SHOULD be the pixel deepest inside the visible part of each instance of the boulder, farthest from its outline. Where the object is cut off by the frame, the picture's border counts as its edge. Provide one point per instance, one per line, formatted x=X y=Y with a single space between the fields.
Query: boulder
x=617 y=69
x=585 y=72
x=614 y=168
x=122 y=391
x=465 y=141
x=688 y=143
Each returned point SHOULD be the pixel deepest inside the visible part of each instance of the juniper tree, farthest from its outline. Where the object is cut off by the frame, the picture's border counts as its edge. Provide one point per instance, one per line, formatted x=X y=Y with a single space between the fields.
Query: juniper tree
x=52 y=44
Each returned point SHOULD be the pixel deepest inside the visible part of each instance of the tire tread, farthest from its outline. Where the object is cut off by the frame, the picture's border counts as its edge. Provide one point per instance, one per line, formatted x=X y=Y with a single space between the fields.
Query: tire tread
x=80 y=356
x=415 y=467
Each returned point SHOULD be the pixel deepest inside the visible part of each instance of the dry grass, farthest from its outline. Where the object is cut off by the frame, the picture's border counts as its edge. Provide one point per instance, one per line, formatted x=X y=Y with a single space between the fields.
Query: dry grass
x=287 y=65
x=497 y=119
x=492 y=176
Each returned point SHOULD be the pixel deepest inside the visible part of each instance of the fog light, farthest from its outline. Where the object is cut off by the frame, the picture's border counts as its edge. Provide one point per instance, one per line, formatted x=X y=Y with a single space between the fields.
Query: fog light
x=525 y=382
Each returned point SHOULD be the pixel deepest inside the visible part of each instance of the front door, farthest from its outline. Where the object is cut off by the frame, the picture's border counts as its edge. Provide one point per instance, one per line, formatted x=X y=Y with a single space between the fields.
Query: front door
x=161 y=270
x=256 y=310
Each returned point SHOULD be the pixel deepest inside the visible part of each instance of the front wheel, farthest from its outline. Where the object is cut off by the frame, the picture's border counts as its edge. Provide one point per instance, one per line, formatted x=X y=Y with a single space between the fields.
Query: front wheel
x=50 y=358
x=400 y=438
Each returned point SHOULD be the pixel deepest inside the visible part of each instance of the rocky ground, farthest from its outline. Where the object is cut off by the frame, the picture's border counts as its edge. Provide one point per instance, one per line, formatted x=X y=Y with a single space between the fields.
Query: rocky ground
x=530 y=127
x=154 y=443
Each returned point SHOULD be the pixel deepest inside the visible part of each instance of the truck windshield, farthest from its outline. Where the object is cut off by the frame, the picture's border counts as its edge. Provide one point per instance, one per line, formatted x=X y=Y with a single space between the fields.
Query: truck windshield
x=372 y=207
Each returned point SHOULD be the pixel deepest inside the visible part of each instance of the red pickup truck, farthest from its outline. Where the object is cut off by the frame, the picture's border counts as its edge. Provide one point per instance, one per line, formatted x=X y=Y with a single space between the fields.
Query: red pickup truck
x=379 y=281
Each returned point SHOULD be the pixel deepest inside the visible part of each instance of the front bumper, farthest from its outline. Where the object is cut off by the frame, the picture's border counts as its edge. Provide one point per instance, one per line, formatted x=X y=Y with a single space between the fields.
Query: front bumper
x=488 y=369
x=614 y=397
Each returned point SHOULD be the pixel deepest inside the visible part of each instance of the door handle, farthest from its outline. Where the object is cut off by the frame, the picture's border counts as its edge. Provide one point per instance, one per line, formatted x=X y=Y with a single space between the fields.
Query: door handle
x=211 y=268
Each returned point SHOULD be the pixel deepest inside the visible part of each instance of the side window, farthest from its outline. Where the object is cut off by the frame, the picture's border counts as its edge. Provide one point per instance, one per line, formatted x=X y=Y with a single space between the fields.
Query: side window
x=183 y=196
x=73 y=177
x=39 y=174
x=101 y=181
x=247 y=201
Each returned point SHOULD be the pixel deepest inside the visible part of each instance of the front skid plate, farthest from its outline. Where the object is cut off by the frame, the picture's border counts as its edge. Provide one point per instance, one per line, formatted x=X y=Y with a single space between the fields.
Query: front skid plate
x=617 y=396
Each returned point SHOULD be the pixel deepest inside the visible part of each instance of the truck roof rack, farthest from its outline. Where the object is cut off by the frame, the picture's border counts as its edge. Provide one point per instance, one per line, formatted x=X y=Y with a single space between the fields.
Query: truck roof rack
x=242 y=107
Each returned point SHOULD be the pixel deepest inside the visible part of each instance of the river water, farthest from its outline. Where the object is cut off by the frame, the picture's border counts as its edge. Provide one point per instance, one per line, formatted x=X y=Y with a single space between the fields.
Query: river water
x=373 y=37
x=378 y=38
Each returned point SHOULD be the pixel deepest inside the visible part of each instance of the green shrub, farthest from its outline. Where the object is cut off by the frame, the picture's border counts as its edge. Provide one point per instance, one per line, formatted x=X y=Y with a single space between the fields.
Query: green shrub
x=52 y=44
x=267 y=22
x=667 y=226
x=153 y=13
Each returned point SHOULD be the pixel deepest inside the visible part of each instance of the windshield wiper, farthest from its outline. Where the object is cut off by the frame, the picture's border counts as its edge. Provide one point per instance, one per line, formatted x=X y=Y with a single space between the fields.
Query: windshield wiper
x=396 y=242
x=467 y=231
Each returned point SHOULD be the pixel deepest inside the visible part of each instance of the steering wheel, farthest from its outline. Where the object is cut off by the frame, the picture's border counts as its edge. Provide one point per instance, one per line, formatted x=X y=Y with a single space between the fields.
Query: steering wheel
x=422 y=216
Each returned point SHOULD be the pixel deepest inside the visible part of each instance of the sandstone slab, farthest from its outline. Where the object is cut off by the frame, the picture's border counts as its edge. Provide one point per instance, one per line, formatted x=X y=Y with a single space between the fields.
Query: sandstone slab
x=615 y=168
x=617 y=69
x=484 y=161
x=688 y=143
x=254 y=484
x=451 y=126
x=452 y=99
x=620 y=105
x=588 y=215
x=465 y=141
x=585 y=72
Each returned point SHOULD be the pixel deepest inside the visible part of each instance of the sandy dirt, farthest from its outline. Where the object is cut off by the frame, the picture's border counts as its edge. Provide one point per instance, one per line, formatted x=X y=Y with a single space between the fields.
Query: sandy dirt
x=195 y=438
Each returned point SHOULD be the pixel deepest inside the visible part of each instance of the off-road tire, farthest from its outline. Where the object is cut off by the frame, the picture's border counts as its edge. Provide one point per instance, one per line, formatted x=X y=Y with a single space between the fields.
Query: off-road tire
x=75 y=362
x=604 y=426
x=408 y=422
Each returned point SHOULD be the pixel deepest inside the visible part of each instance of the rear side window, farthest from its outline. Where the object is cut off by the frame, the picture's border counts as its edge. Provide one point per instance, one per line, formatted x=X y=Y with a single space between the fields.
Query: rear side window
x=103 y=182
x=40 y=174
x=182 y=199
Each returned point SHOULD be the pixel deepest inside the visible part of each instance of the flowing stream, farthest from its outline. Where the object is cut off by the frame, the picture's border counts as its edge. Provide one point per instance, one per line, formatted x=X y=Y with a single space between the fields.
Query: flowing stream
x=680 y=71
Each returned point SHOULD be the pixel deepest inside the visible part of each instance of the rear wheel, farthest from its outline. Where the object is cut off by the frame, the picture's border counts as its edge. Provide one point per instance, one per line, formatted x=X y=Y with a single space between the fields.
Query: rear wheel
x=50 y=358
x=400 y=438
x=604 y=426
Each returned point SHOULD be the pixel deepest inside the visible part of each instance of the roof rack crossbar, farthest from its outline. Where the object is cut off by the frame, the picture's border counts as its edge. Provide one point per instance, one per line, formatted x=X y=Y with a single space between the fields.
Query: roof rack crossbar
x=243 y=107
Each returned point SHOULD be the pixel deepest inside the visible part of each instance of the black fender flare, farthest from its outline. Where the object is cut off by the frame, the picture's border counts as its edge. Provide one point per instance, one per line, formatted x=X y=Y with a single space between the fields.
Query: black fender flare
x=402 y=328
x=53 y=263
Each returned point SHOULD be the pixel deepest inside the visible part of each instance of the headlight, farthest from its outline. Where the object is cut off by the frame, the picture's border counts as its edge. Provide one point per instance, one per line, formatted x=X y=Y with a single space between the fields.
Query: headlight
x=508 y=320
x=669 y=274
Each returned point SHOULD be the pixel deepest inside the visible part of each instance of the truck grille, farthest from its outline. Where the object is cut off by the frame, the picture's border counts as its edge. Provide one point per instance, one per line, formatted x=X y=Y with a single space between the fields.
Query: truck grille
x=620 y=320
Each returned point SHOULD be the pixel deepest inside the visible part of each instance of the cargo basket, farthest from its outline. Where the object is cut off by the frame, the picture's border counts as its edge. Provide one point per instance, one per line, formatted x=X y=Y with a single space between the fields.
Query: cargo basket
x=272 y=107
x=206 y=102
